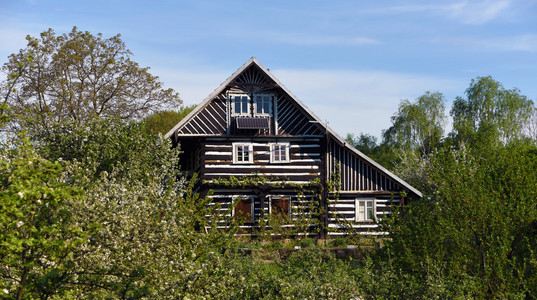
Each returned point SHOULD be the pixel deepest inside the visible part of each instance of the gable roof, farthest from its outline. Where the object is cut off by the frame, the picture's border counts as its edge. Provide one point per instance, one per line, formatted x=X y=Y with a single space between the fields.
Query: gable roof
x=328 y=130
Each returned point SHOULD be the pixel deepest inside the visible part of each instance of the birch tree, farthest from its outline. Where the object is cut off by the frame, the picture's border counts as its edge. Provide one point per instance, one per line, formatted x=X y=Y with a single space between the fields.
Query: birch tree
x=490 y=113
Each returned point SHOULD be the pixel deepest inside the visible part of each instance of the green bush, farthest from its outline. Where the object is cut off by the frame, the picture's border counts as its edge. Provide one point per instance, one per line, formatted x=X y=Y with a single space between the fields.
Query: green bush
x=308 y=243
x=339 y=242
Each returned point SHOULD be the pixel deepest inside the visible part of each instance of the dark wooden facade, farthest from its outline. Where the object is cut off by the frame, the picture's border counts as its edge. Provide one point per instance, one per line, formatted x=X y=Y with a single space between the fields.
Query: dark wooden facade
x=253 y=130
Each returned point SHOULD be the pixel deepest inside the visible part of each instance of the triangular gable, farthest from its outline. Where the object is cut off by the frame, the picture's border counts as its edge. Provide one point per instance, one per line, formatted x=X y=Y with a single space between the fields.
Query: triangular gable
x=193 y=115
x=214 y=104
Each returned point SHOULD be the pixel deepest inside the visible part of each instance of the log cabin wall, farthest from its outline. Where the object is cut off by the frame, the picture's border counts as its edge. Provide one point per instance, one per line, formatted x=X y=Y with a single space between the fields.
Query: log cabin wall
x=356 y=174
x=357 y=181
x=228 y=201
x=304 y=163
x=302 y=168
x=234 y=132
x=343 y=213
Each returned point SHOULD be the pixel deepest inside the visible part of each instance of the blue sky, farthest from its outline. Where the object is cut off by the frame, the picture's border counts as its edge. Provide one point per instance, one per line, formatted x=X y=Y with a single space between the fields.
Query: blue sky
x=350 y=62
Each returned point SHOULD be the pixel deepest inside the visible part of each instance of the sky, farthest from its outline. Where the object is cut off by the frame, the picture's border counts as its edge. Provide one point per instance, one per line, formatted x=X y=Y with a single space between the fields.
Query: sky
x=351 y=62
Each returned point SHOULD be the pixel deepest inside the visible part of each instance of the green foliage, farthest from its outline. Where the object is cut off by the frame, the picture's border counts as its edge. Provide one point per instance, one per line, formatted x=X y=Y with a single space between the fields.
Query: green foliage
x=309 y=273
x=478 y=201
x=77 y=77
x=365 y=143
x=4 y=116
x=308 y=243
x=490 y=114
x=384 y=154
x=135 y=231
x=163 y=121
x=123 y=148
x=418 y=126
x=38 y=232
x=339 y=242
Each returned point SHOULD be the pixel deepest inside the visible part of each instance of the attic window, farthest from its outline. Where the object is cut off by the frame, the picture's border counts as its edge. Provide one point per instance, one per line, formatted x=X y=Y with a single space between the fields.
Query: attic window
x=241 y=105
x=263 y=105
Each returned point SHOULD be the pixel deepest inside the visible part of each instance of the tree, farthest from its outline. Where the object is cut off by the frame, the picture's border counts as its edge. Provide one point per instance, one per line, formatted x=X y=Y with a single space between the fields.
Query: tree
x=124 y=148
x=105 y=216
x=418 y=126
x=365 y=143
x=383 y=154
x=148 y=242
x=490 y=113
x=476 y=222
x=78 y=77
x=38 y=233
x=162 y=121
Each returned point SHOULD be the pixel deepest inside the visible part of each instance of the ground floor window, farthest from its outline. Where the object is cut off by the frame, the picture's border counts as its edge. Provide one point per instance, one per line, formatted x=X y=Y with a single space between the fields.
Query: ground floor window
x=365 y=209
x=280 y=206
x=244 y=209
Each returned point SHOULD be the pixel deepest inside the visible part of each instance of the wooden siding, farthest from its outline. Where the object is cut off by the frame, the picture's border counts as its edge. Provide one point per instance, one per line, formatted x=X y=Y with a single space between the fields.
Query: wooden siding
x=342 y=213
x=226 y=198
x=355 y=173
x=253 y=80
x=292 y=121
x=304 y=160
x=288 y=118
x=211 y=120
x=316 y=153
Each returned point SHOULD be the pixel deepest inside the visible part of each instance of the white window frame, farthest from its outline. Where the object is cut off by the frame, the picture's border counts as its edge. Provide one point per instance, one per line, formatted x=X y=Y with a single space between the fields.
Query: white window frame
x=236 y=153
x=273 y=147
x=233 y=102
x=363 y=215
x=263 y=97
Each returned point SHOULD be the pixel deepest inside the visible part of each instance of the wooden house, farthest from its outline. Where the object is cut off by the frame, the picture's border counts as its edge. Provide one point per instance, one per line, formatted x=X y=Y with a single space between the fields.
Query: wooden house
x=263 y=153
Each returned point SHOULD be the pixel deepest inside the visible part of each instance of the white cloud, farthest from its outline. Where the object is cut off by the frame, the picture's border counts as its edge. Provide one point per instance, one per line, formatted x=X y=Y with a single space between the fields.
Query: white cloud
x=359 y=101
x=478 y=12
x=469 y=12
x=525 y=43
x=308 y=40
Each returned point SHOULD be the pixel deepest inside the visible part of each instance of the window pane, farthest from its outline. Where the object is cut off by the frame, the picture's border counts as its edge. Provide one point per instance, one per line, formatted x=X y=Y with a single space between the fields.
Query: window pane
x=240 y=153
x=246 y=153
x=369 y=210
x=244 y=105
x=266 y=104
x=361 y=210
x=237 y=105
